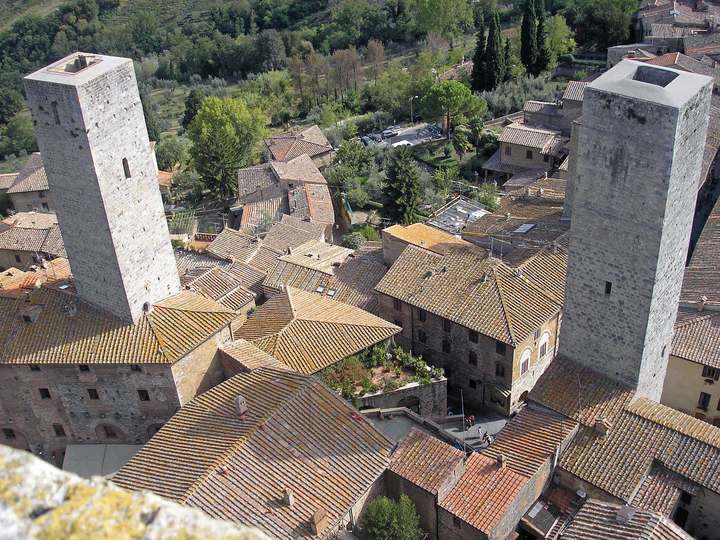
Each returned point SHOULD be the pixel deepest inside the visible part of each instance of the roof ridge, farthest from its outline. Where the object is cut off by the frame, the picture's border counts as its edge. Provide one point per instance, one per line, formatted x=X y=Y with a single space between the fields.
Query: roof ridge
x=155 y=334
x=506 y=318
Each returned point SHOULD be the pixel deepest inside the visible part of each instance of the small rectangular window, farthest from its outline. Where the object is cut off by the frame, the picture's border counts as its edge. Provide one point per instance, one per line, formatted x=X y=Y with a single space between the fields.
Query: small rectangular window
x=8 y=433
x=397 y=305
x=528 y=154
x=18 y=259
x=422 y=315
x=500 y=348
x=499 y=370
x=608 y=288
x=84 y=367
x=508 y=151
x=44 y=393
x=59 y=430
x=422 y=338
x=711 y=373
x=446 y=347
x=34 y=368
x=56 y=114
x=134 y=367
x=536 y=334
x=143 y=395
x=703 y=401
x=126 y=167
x=543 y=349
x=473 y=336
x=446 y=325
x=93 y=394
x=472 y=358
x=472 y=384
x=525 y=366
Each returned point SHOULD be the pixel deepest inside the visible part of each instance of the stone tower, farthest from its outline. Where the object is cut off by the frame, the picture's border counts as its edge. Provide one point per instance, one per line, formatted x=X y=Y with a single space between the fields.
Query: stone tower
x=640 y=149
x=102 y=176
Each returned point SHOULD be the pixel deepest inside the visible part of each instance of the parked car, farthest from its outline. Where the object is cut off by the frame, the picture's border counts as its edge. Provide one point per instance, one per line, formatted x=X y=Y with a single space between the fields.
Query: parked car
x=390 y=132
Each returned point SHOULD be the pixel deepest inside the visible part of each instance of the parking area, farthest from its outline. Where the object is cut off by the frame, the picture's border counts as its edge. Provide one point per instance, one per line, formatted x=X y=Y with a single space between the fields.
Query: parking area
x=404 y=136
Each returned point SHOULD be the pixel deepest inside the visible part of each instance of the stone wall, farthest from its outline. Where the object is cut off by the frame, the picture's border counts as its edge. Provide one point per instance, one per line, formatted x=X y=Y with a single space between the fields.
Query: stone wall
x=117 y=416
x=426 y=399
x=102 y=175
x=518 y=157
x=9 y=259
x=683 y=383
x=40 y=502
x=31 y=201
x=638 y=164
x=493 y=372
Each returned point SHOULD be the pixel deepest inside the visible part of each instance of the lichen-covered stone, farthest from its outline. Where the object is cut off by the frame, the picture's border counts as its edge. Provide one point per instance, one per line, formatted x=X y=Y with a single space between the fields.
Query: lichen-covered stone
x=38 y=501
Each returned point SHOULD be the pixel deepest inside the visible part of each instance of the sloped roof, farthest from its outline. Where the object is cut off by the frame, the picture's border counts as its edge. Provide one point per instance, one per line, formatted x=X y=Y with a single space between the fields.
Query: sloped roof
x=243 y=247
x=468 y=288
x=32 y=231
x=598 y=520
x=248 y=356
x=547 y=269
x=425 y=460
x=484 y=493
x=308 y=332
x=352 y=282
x=223 y=286
x=292 y=232
x=532 y=137
x=660 y=491
x=702 y=275
x=253 y=179
x=317 y=255
x=301 y=169
x=424 y=236
x=313 y=202
x=296 y=435
x=32 y=177
x=531 y=439
x=15 y=283
x=255 y=212
x=575 y=91
x=310 y=140
x=7 y=180
x=69 y=331
x=697 y=338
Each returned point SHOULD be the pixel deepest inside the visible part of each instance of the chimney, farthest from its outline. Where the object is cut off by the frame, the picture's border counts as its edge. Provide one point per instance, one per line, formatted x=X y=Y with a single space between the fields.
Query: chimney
x=319 y=521
x=602 y=427
x=241 y=406
x=500 y=460
x=703 y=302
x=288 y=497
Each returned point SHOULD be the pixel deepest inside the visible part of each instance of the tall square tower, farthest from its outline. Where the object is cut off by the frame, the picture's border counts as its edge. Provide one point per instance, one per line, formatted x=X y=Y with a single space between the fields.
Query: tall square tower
x=639 y=154
x=103 y=181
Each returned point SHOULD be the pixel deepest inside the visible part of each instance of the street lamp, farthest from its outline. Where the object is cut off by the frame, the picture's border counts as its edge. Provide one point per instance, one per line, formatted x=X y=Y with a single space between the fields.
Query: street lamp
x=412 y=118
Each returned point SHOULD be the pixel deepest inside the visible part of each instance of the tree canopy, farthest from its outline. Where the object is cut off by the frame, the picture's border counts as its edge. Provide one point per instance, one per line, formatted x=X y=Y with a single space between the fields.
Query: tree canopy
x=224 y=133
x=452 y=98
x=386 y=519
x=402 y=188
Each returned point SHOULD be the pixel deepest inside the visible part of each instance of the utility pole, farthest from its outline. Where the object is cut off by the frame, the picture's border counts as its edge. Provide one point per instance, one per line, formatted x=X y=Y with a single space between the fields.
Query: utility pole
x=412 y=118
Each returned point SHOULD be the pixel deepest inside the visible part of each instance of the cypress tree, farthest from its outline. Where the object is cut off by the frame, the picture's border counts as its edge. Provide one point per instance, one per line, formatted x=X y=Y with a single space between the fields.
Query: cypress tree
x=402 y=188
x=477 y=78
x=528 y=36
x=542 y=60
x=494 y=56
x=508 y=61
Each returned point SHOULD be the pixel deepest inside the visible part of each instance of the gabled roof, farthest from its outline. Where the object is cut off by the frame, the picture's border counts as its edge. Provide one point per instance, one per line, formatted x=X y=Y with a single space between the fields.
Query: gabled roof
x=484 y=493
x=253 y=179
x=270 y=209
x=297 y=435
x=308 y=332
x=301 y=169
x=697 y=337
x=313 y=202
x=544 y=140
x=470 y=289
x=702 y=275
x=32 y=177
x=598 y=520
x=424 y=236
x=7 y=180
x=223 y=286
x=575 y=91
x=249 y=357
x=243 y=247
x=32 y=231
x=287 y=146
x=69 y=331
x=292 y=232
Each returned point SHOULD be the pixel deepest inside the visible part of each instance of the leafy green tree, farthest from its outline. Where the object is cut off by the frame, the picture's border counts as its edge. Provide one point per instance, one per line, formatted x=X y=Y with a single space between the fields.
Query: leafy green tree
x=353 y=240
x=402 y=188
x=494 y=55
x=10 y=103
x=461 y=141
x=600 y=24
x=192 y=104
x=171 y=151
x=508 y=61
x=449 y=99
x=354 y=155
x=224 y=134
x=18 y=137
x=528 y=36
x=477 y=77
x=386 y=519
x=447 y=18
x=542 y=58
x=560 y=38
x=487 y=195
x=152 y=120
x=443 y=178
x=476 y=126
x=407 y=520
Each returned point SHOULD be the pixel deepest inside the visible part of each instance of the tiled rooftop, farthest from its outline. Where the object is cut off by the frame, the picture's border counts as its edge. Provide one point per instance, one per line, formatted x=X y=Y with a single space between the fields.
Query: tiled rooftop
x=249 y=357
x=543 y=140
x=484 y=493
x=468 y=288
x=424 y=236
x=697 y=337
x=34 y=232
x=702 y=275
x=240 y=246
x=660 y=491
x=32 y=177
x=297 y=435
x=308 y=332
x=575 y=91
x=287 y=146
x=425 y=460
x=224 y=287
x=15 y=283
x=61 y=329
x=298 y=170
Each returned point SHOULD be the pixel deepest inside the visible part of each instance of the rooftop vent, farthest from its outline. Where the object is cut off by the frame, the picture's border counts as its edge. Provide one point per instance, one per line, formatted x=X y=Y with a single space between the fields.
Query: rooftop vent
x=624 y=515
x=241 y=406
x=653 y=75
x=602 y=427
x=702 y=303
x=30 y=314
x=319 y=521
x=288 y=498
x=500 y=459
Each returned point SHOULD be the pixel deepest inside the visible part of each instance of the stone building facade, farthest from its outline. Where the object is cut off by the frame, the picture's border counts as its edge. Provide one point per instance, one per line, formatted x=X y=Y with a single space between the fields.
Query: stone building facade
x=640 y=150
x=102 y=174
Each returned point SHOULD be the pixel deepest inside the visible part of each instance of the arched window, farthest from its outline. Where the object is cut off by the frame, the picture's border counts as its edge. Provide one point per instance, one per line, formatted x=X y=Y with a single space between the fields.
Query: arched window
x=126 y=167
x=544 y=344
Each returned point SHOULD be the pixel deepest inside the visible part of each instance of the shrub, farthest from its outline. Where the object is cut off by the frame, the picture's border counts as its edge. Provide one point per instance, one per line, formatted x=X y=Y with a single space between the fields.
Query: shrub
x=386 y=519
x=353 y=240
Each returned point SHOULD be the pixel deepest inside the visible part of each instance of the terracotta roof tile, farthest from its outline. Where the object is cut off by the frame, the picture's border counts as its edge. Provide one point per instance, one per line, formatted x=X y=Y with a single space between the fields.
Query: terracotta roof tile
x=255 y=212
x=532 y=137
x=253 y=179
x=299 y=170
x=425 y=461
x=310 y=141
x=250 y=357
x=296 y=435
x=424 y=236
x=68 y=331
x=575 y=91
x=242 y=247
x=697 y=337
x=598 y=521
x=469 y=289
x=292 y=232
x=224 y=287
x=7 y=180
x=484 y=494
x=660 y=491
x=32 y=177
x=308 y=332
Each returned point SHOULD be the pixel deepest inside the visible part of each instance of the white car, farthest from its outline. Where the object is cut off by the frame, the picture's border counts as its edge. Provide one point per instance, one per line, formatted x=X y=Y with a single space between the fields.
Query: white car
x=401 y=143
